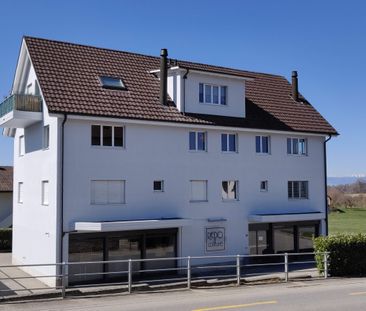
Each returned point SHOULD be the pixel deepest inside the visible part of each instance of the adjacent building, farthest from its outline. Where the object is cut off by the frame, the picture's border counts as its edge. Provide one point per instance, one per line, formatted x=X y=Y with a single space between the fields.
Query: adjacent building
x=6 y=196
x=119 y=155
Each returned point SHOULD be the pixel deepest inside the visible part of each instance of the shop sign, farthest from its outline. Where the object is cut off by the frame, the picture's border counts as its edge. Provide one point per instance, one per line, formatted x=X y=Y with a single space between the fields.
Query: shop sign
x=215 y=239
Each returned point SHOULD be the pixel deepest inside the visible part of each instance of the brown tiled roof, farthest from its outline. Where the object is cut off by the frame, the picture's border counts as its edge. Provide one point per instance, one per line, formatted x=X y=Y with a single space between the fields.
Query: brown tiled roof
x=6 y=179
x=69 y=78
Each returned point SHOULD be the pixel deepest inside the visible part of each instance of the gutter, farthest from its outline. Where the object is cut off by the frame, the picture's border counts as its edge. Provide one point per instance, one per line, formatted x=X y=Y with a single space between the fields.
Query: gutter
x=62 y=233
x=326 y=183
x=184 y=91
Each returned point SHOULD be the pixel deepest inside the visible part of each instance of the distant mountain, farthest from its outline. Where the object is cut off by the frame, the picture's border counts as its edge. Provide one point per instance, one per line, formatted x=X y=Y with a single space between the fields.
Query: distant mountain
x=335 y=181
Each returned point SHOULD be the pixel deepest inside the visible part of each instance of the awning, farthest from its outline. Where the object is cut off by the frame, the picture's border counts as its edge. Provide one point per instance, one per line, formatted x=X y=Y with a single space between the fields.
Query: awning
x=289 y=217
x=126 y=225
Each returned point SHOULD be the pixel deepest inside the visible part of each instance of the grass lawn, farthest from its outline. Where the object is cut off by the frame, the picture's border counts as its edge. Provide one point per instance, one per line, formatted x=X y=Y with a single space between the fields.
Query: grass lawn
x=351 y=221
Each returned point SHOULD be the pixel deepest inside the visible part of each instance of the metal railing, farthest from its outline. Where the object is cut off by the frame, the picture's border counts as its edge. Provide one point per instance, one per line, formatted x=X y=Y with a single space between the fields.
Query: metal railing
x=21 y=102
x=186 y=271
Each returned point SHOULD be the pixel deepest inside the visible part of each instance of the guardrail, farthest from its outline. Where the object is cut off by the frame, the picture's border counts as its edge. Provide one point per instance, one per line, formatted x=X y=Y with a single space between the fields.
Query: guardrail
x=232 y=268
x=21 y=102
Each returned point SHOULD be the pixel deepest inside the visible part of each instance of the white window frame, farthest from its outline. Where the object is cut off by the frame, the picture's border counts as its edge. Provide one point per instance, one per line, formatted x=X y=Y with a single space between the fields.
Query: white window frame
x=219 y=94
x=21 y=145
x=20 y=192
x=236 y=193
x=92 y=192
x=196 y=141
x=46 y=137
x=227 y=142
x=45 y=195
x=191 y=182
x=101 y=136
x=162 y=185
x=265 y=189
x=261 y=145
x=300 y=190
x=292 y=153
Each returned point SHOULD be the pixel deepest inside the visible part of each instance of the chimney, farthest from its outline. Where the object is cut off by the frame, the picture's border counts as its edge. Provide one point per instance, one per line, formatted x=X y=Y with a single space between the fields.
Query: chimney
x=163 y=76
x=295 y=88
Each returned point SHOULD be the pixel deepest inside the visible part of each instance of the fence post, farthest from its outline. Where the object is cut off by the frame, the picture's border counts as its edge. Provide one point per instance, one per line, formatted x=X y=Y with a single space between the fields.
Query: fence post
x=325 y=265
x=129 y=276
x=63 y=279
x=238 y=270
x=189 y=272
x=286 y=267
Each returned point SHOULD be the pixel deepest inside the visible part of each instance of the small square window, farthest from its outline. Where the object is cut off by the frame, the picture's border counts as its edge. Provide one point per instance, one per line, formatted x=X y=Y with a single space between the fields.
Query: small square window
x=158 y=185
x=264 y=186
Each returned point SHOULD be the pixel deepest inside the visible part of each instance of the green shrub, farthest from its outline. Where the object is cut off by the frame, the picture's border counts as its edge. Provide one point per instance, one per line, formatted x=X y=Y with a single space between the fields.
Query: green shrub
x=347 y=254
x=5 y=239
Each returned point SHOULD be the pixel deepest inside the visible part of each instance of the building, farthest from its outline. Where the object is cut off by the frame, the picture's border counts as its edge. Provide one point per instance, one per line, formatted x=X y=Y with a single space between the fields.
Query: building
x=6 y=196
x=119 y=155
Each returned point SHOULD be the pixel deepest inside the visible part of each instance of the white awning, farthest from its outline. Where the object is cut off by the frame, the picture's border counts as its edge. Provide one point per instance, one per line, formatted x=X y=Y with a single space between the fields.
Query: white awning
x=126 y=225
x=291 y=217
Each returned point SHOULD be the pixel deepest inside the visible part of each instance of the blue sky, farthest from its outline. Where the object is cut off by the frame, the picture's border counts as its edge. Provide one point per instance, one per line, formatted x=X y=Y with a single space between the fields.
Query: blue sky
x=324 y=40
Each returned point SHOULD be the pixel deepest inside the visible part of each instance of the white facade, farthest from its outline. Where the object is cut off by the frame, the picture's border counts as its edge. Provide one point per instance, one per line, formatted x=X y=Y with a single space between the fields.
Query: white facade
x=156 y=151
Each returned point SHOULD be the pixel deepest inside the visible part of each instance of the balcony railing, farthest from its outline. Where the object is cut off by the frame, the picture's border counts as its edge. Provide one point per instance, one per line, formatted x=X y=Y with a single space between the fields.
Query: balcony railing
x=20 y=102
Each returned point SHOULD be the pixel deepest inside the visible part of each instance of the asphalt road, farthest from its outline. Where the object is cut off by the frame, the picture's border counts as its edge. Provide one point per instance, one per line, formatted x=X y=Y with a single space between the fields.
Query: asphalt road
x=331 y=294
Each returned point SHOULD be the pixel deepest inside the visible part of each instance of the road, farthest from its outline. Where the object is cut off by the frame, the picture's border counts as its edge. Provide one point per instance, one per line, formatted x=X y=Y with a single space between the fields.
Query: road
x=331 y=294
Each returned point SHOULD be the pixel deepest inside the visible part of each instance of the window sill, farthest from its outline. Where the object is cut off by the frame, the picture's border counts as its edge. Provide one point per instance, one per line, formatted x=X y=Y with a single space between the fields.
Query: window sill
x=297 y=199
x=197 y=151
x=212 y=104
x=229 y=152
x=297 y=155
x=230 y=200
x=108 y=147
x=45 y=149
x=107 y=204
x=198 y=201
x=263 y=153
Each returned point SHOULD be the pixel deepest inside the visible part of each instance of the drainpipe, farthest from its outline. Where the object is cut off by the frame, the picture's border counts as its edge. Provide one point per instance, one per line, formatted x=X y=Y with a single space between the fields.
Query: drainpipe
x=62 y=187
x=326 y=184
x=184 y=91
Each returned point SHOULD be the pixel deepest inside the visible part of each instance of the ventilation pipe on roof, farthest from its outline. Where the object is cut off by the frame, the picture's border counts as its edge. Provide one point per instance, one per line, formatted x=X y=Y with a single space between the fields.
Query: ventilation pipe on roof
x=295 y=88
x=163 y=76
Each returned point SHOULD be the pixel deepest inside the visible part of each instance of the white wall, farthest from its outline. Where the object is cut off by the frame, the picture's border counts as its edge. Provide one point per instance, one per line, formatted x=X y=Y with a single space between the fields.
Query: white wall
x=186 y=95
x=6 y=205
x=157 y=152
x=35 y=225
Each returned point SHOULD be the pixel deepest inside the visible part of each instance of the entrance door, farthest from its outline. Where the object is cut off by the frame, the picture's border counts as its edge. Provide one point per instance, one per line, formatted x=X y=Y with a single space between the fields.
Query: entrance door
x=258 y=239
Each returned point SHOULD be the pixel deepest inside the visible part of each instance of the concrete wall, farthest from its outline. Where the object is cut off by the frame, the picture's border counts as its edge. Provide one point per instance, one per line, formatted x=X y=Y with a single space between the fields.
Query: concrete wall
x=35 y=225
x=158 y=152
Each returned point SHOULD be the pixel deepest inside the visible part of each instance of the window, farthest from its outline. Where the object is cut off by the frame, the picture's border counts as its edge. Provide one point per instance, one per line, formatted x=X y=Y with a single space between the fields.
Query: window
x=197 y=141
x=106 y=135
x=228 y=142
x=20 y=192
x=158 y=185
x=46 y=137
x=298 y=189
x=230 y=190
x=28 y=89
x=45 y=192
x=262 y=144
x=21 y=146
x=297 y=146
x=112 y=83
x=198 y=190
x=212 y=94
x=264 y=186
x=107 y=191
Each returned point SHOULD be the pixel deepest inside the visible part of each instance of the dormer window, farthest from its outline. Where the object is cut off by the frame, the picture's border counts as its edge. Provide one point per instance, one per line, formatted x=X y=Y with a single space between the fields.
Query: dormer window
x=212 y=94
x=112 y=83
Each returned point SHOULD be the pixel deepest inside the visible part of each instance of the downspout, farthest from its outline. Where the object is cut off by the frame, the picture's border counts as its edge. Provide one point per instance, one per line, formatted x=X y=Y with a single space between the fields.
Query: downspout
x=184 y=91
x=326 y=183
x=62 y=187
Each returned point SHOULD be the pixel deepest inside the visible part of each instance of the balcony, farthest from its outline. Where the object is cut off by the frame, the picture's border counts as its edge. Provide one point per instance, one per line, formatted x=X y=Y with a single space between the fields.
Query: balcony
x=20 y=111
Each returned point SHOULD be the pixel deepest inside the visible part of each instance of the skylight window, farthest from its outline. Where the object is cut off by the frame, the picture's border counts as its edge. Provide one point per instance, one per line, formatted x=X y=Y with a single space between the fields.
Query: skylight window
x=112 y=83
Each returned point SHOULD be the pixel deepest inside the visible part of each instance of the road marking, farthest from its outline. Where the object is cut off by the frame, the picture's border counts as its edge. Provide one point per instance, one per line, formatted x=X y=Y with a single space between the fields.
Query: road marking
x=238 y=306
x=357 y=293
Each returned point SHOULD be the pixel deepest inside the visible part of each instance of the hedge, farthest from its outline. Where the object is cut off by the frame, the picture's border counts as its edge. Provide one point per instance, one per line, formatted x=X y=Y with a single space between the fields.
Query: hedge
x=5 y=239
x=347 y=254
